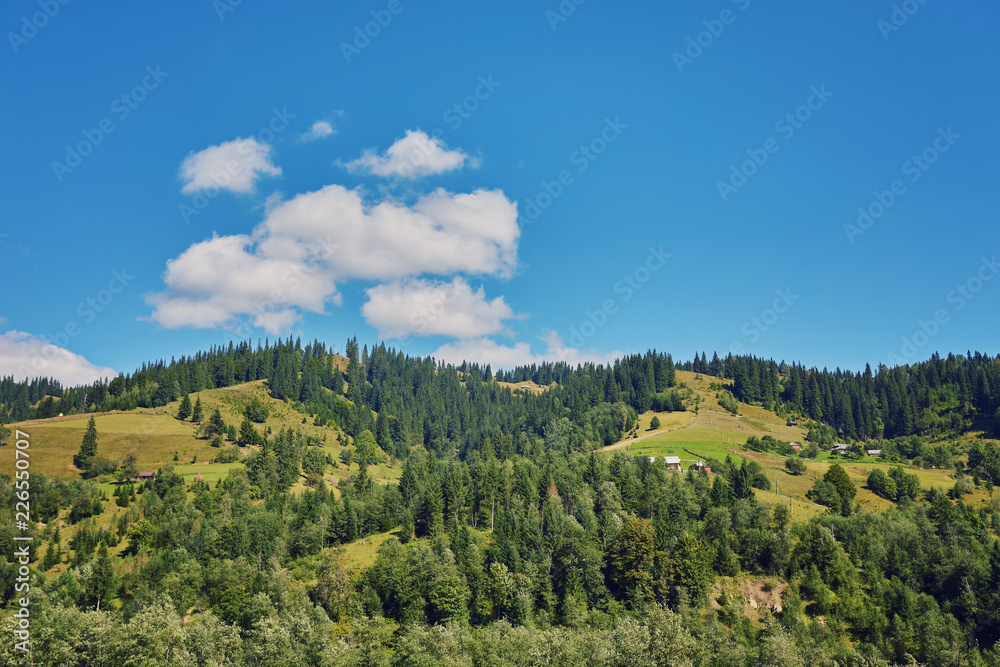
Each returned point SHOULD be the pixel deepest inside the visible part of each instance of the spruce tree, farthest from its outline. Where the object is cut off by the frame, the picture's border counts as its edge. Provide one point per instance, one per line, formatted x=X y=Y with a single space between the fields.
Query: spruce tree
x=248 y=434
x=184 y=411
x=50 y=556
x=101 y=585
x=88 y=448
x=196 y=414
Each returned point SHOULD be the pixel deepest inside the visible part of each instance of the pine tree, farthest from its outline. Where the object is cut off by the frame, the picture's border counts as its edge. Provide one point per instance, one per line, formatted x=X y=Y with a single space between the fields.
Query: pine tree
x=196 y=414
x=88 y=448
x=101 y=585
x=248 y=434
x=184 y=411
x=50 y=556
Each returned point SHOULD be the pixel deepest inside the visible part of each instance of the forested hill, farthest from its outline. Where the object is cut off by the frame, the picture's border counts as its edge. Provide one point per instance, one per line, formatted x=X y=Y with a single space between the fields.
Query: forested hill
x=439 y=515
x=445 y=407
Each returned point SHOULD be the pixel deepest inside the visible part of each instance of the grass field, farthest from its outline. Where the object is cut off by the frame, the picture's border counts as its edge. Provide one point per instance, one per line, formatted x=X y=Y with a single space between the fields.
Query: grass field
x=715 y=433
x=154 y=438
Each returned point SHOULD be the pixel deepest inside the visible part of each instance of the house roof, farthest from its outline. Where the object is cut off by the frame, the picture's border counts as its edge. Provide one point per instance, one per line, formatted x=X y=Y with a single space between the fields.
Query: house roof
x=672 y=459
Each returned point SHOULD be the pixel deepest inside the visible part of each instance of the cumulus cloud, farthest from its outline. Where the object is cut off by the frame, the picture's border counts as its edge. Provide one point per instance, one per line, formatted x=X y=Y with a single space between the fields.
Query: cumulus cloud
x=305 y=246
x=413 y=156
x=428 y=308
x=24 y=355
x=321 y=129
x=234 y=165
x=488 y=351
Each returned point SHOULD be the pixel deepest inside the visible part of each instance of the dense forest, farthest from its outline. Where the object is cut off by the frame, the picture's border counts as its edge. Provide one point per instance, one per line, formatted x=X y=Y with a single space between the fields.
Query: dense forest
x=513 y=542
x=460 y=408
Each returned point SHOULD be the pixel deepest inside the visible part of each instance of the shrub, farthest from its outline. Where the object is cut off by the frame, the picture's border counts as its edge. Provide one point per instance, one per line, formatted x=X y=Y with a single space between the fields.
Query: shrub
x=795 y=466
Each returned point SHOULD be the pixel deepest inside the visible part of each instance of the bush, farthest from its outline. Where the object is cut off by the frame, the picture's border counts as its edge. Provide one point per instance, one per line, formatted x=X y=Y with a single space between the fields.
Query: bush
x=881 y=484
x=824 y=493
x=256 y=411
x=810 y=451
x=795 y=466
x=728 y=402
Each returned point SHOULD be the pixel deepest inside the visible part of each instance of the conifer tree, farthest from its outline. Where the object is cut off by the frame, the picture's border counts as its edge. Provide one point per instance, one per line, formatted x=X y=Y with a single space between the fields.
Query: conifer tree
x=101 y=585
x=88 y=448
x=50 y=556
x=196 y=414
x=184 y=411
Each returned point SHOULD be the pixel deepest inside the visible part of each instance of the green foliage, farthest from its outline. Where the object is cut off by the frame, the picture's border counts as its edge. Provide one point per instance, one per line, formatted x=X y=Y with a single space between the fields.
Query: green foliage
x=248 y=434
x=256 y=410
x=196 y=413
x=728 y=401
x=184 y=411
x=837 y=476
x=630 y=559
x=347 y=456
x=654 y=423
x=365 y=449
x=522 y=546
x=88 y=448
x=795 y=466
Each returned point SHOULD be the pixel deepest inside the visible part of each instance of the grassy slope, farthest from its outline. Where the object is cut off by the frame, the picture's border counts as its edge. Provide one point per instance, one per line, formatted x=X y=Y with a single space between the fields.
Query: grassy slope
x=716 y=433
x=155 y=435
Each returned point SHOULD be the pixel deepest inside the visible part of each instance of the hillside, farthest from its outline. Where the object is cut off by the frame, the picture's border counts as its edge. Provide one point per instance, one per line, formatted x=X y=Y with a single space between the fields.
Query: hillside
x=715 y=433
x=487 y=506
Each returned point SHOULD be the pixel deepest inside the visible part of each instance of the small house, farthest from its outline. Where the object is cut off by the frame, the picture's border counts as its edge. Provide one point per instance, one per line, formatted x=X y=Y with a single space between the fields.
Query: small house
x=874 y=453
x=840 y=448
x=525 y=386
x=791 y=422
x=701 y=465
x=796 y=446
x=145 y=477
x=673 y=462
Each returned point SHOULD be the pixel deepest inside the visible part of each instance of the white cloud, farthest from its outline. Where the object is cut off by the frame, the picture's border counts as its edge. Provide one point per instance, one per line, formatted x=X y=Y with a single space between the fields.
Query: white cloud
x=428 y=308
x=413 y=156
x=305 y=246
x=235 y=165
x=23 y=355
x=488 y=351
x=321 y=129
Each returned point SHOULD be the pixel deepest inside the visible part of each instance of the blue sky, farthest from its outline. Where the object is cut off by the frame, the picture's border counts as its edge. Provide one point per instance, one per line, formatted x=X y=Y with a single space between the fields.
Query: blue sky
x=713 y=159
